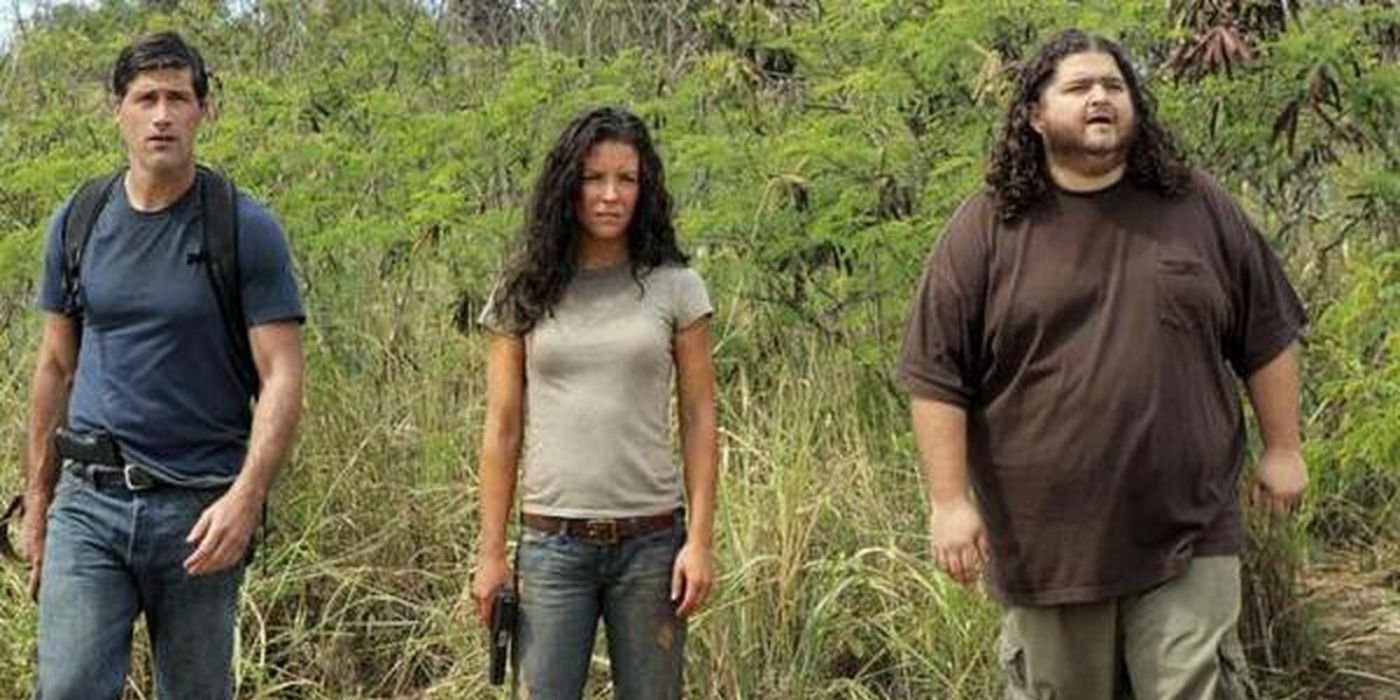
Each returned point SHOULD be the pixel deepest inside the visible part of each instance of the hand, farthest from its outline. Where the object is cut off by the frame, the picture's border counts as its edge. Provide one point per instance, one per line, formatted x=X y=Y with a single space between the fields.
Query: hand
x=957 y=539
x=692 y=577
x=35 y=529
x=222 y=533
x=1279 y=480
x=492 y=574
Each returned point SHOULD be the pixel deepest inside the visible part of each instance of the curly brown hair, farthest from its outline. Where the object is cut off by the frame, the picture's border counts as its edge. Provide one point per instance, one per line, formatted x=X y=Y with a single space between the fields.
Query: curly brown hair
x=1018 y=172
x=545 y=258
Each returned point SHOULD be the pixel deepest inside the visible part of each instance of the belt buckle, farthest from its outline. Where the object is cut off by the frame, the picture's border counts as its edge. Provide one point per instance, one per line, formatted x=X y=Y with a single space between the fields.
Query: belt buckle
x=603 y=530
x=136 y=478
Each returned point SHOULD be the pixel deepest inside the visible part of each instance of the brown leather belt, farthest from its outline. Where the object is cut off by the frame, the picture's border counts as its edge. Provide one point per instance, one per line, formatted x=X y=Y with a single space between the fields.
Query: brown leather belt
x=601 y=530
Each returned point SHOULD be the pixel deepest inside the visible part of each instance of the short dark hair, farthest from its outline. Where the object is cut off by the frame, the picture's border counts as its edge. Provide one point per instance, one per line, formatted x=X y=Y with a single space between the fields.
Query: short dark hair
x=159 y=51
x=1018 y=171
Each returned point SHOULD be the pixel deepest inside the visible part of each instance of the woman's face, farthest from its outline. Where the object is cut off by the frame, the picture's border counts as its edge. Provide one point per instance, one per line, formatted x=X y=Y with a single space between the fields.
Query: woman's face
x=611 y=181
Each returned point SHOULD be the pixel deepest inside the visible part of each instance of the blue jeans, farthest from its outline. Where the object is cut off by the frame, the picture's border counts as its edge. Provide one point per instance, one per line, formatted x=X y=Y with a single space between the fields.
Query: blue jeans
x=111 y=554
x=566 y=583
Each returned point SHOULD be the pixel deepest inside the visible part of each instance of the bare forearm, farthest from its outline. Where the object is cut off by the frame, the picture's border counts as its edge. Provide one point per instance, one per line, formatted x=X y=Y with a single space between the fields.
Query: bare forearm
x=700 y=450
x=1273 y=391
x=274 y=430
x=940 y=431
x=500 y=452
x=48 y=399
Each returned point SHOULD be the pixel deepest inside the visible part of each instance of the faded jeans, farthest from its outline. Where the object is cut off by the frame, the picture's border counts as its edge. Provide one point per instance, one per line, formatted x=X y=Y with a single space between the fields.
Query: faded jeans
x=566 y=583
x=111 y=554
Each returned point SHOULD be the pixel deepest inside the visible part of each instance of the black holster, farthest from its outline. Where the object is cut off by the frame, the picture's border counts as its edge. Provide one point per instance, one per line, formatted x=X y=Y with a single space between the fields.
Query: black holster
x=97 y=447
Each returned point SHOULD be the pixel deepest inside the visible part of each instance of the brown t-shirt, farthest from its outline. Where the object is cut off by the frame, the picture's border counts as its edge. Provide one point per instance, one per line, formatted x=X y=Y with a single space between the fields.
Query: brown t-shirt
x=1092 y=343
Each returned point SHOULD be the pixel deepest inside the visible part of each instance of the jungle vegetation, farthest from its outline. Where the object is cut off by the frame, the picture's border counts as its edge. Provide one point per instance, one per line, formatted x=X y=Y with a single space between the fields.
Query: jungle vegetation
x=814 y=148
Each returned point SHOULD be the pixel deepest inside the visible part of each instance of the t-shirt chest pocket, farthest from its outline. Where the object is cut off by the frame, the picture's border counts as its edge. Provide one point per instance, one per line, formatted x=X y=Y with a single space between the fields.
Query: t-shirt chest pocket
x=1188 y=295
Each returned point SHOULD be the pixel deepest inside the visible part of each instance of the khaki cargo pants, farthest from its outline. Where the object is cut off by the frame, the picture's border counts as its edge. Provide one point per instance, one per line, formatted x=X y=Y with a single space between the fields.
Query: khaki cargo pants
x=1174 y=642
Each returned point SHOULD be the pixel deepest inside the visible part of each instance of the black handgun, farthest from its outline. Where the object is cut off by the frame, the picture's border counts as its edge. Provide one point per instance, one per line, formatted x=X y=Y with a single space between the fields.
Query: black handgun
x=504 y=607
x=98 y=447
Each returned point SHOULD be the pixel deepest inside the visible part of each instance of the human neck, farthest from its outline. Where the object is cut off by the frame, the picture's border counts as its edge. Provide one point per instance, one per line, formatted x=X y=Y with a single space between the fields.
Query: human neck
x=594 y=254
x=149 y=191
x=1087 y=173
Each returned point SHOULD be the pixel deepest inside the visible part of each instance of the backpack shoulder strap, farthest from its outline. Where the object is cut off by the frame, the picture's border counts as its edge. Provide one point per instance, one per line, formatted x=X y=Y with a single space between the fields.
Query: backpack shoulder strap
x=82 y=215
x=219 y=207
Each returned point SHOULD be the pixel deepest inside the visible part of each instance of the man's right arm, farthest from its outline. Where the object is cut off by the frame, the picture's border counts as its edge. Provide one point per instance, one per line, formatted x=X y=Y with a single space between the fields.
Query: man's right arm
x=48 y=398
x=957 y=537
x=940 y=365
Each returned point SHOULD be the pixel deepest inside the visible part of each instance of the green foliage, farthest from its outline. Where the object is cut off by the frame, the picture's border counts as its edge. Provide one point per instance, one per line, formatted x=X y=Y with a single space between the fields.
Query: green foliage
x=814 y=151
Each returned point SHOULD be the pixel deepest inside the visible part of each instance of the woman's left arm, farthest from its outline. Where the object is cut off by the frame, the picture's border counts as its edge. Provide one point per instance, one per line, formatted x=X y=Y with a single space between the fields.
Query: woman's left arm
x=694 y=570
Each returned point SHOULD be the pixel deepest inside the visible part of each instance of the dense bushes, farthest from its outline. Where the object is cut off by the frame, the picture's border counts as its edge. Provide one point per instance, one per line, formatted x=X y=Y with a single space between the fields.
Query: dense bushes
x=814 y=151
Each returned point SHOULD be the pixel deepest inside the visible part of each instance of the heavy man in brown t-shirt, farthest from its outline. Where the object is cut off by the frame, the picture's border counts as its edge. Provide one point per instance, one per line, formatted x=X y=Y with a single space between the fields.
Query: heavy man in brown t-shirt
x=1072 y=358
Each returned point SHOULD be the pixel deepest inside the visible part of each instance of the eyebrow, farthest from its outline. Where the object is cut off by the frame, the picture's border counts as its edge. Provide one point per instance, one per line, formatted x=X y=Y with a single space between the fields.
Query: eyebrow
x=1093 y=77
x=143 y=92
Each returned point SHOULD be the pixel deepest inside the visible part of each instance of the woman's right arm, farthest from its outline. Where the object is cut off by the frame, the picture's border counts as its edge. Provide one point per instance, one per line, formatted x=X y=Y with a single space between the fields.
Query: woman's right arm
x=500 y=454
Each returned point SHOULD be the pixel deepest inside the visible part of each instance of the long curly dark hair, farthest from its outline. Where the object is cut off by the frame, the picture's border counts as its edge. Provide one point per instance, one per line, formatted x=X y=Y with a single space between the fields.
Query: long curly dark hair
x=546 y=257
x=1018 y=172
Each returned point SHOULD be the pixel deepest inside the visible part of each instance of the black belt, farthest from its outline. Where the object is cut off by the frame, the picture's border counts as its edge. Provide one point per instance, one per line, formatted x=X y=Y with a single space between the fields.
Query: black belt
x=603 y=530
x=132 y=477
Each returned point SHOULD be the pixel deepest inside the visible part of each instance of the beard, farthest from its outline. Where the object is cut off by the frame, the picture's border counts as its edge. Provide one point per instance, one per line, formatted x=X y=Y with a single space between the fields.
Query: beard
x=1089 y=151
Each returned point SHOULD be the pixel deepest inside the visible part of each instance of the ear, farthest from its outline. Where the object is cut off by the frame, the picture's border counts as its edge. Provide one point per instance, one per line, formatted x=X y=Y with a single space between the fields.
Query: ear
x=1037 y=120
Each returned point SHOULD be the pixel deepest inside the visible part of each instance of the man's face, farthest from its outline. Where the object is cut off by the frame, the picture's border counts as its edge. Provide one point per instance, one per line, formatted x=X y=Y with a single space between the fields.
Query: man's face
x=1085 y=110
x=158 y=117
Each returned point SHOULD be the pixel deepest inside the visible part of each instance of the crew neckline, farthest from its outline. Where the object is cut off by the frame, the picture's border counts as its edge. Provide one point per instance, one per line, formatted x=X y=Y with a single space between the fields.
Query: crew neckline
x=166 y=210
x=1090 y=194
x=607 y=270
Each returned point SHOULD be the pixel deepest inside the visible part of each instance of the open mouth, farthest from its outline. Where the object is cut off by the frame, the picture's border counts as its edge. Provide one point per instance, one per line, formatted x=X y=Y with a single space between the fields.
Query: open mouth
x=1099 y=119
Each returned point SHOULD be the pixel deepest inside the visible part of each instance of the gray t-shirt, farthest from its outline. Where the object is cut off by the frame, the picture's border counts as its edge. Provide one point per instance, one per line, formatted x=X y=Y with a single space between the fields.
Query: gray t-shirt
x=155 y=366
x=598 y=376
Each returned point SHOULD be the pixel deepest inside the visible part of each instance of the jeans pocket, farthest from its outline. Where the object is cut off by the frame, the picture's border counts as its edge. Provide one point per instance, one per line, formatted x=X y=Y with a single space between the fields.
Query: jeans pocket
x=66 y=481
x=68 y=487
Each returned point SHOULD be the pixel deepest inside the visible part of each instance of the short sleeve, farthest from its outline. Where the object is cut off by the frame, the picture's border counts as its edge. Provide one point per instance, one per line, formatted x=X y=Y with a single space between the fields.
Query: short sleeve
x=265 y=264
x=690 y=301
x=939 y=358
x=51 y=296
x=1267 y=315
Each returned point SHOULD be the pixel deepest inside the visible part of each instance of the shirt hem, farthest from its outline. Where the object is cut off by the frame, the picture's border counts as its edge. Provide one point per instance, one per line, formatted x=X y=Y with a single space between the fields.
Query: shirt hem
x=927 y=390
x=601 y=513
x=1099 y=593
x=1272 y=349
x=297 y=316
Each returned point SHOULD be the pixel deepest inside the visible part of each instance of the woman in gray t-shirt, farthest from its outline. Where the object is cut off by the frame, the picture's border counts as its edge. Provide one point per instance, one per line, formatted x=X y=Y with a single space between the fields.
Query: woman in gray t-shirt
x=594 y=316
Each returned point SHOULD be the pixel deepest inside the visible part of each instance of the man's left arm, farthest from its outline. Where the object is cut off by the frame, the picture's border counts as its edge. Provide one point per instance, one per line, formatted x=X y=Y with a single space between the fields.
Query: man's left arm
x=222 y=534
x=1281 y=476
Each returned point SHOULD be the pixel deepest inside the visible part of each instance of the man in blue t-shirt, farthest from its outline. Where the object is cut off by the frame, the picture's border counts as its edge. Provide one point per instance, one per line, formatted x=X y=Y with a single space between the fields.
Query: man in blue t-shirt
x=147 y=502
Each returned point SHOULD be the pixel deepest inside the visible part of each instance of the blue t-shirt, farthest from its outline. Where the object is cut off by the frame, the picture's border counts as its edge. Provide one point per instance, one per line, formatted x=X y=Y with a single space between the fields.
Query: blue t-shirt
x=155 y=365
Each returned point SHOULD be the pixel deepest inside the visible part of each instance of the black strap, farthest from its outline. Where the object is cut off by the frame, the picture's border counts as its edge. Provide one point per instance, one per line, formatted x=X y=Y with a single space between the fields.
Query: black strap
x=219 y=204
x=82 y=215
